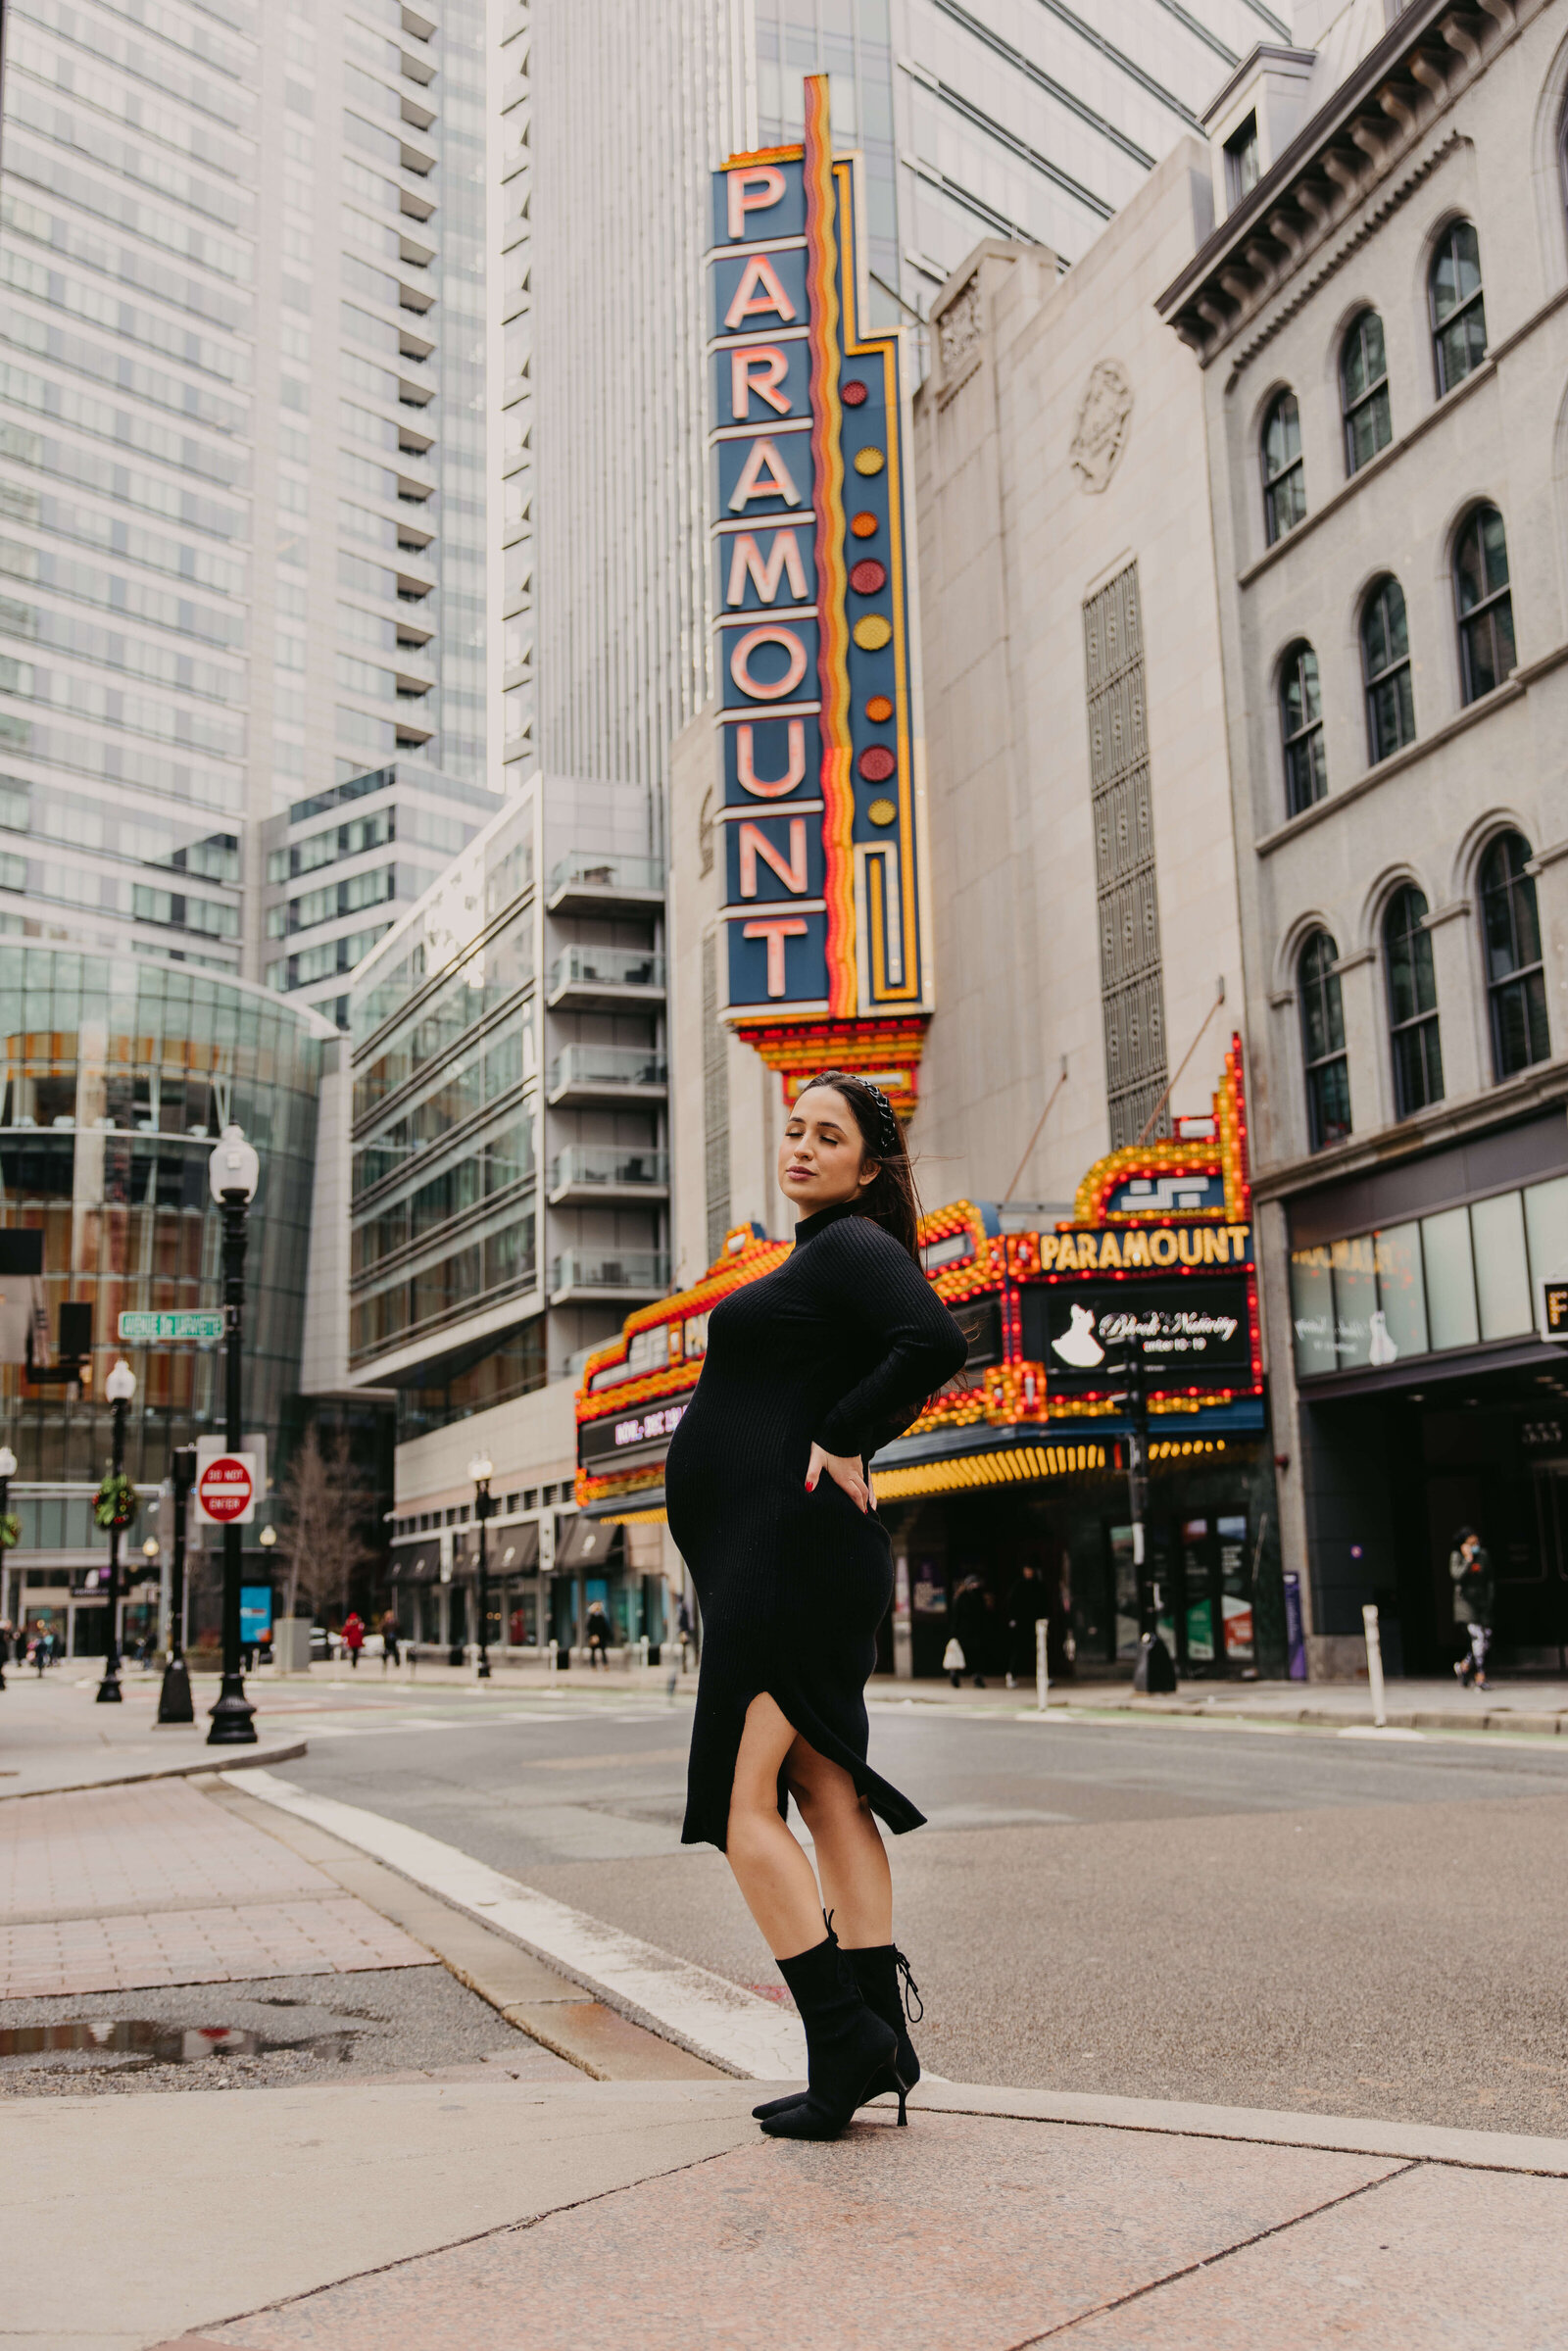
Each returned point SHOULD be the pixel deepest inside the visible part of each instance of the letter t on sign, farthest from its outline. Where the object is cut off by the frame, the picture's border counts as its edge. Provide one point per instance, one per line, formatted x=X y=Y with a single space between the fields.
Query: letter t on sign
x=775 y=930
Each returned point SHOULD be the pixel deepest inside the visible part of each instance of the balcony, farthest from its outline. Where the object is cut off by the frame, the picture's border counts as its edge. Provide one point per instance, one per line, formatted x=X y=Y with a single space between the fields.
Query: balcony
x=607 y=1174
x=605 y=976
x=629 y=1277
x=608 y=1073
x=589 y=883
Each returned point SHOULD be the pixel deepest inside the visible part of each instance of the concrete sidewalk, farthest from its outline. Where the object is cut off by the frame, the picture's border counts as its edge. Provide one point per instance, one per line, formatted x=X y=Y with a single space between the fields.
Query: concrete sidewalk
x=485 y=2217
x=55 y=1736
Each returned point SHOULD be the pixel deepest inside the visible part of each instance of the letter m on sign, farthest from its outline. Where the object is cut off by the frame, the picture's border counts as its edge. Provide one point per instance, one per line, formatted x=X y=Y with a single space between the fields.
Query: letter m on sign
x=755 y=843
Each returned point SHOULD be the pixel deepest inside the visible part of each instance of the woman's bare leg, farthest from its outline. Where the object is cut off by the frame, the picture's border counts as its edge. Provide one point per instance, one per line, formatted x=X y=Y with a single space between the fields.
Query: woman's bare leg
x=851 y=1860
x=769 y=1866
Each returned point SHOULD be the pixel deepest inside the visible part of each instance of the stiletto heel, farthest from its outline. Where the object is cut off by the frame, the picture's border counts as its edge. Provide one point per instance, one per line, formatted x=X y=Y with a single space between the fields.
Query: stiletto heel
x=904 y=2119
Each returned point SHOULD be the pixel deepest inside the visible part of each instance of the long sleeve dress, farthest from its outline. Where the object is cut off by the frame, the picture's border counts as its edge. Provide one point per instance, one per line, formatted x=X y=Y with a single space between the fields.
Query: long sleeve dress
x=840 y=1348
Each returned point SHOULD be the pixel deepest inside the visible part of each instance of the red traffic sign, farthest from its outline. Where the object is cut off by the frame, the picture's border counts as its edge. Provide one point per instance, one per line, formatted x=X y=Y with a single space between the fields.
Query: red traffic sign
x=225 y=1491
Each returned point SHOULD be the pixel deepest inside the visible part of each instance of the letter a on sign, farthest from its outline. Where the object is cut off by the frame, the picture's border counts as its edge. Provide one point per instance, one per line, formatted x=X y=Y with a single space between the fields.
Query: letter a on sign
x=764 y=474
x=759 y=294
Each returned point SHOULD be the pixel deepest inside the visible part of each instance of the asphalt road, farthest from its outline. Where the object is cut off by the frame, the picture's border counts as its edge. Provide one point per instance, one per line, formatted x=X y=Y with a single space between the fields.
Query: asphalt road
x=1276 y=1917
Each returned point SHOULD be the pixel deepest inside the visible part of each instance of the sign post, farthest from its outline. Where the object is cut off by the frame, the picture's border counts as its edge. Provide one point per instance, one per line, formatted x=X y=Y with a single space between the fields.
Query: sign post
x=225 y=1491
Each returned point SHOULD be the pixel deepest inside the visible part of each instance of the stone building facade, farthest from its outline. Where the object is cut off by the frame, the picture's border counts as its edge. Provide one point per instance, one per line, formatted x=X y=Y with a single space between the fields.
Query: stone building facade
x=1380 y=328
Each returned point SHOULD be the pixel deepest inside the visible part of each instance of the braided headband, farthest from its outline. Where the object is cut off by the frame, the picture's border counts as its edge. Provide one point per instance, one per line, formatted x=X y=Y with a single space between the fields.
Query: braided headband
x=886 y=1124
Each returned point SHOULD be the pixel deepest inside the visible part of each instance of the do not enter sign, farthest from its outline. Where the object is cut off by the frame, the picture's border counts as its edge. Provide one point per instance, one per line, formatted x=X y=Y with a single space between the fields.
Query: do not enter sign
x=225 y=1491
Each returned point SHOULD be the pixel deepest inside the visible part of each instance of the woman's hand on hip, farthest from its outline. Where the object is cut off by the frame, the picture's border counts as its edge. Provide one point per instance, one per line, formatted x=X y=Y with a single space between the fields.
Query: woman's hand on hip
x=844 y=1470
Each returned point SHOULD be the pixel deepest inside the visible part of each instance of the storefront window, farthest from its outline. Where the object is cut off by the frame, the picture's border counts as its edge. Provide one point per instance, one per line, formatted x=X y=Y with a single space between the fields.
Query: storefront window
x=1450 y=1279
x=1355 y=1301
x=1547 y=1229
x=1312 y=1310
x=1502 y=1271
x=1402 y=1291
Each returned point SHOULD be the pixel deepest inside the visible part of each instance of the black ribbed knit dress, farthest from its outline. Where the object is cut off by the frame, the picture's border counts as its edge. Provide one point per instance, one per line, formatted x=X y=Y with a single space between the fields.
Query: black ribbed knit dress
x=840 y=1348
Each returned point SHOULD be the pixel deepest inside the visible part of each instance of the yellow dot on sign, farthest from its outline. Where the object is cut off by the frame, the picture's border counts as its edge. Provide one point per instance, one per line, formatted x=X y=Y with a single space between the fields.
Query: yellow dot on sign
x=869 y=461
x=882 y=811
x=873 y=632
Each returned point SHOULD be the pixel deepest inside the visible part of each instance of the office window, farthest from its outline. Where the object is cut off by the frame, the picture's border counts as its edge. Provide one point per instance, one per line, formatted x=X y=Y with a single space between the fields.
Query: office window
x=1510 y=929
x=1412 y=1002
x=1284 y=474
x=1328 y=1075
x=1458 y=308
x=1364 y=392
x=1483 y=601
x=1306 y=777
x=1386 y=668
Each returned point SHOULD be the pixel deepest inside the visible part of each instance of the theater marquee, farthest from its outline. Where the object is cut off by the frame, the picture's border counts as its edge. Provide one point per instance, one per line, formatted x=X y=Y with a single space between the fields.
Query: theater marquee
x=822 y=752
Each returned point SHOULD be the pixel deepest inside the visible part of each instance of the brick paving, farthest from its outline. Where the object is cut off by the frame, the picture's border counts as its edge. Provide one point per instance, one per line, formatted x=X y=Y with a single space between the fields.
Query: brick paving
x=121 y=1889
x=138 y=1848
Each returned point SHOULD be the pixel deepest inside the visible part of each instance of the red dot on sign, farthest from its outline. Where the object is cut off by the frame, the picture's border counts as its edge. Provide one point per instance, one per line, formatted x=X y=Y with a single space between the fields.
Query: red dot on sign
x=879 y=707
x=878 y=763
x=853 y=393
x=863 y=524
x=865 y=579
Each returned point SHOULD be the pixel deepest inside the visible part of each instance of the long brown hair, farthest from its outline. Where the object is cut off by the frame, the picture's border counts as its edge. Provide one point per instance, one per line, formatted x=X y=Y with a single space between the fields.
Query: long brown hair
x=891 y=1200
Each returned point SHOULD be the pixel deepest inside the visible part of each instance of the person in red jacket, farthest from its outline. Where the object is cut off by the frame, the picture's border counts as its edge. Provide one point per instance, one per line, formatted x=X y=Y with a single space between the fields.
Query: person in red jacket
x=354 y=1637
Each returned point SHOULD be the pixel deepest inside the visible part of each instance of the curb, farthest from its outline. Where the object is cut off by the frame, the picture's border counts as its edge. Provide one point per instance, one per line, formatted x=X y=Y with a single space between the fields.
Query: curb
x=225 y=1760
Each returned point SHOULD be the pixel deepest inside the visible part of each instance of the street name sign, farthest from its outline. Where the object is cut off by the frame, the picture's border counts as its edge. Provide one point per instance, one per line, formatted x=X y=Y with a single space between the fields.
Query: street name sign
x=149 y=1330
x=225 y=1491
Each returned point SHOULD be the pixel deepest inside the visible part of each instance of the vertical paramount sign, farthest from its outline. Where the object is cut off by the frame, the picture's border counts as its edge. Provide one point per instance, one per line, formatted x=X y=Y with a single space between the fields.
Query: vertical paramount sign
x=827 y=930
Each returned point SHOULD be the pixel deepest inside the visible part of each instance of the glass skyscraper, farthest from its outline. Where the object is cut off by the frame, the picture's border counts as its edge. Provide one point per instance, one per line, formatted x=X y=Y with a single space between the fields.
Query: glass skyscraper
x=242 y=448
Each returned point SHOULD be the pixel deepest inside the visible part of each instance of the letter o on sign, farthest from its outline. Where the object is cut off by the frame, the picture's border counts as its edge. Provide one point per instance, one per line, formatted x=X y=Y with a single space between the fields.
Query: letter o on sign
x=773 y=689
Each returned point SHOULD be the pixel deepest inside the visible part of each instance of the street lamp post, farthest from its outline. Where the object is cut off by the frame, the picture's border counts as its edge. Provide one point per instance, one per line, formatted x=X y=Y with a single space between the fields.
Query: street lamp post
x=174 y=1699
x=119 y=1388
x=481 y=1469
x=232 y=1173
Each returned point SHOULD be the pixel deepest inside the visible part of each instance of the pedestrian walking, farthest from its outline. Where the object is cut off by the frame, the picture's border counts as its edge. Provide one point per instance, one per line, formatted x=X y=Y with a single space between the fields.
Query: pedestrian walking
x=597 y=1636
x=971 y=1626
x=1026 y=1602
x=389 y=1640
x=1474 y=1600
x=354 y=1637
x=40 y=1648
x=808 y=1371
x=5 y=1645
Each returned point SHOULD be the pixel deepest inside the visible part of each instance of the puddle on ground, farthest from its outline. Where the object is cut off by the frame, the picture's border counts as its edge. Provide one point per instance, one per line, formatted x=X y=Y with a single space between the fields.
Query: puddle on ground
x=135 y=2042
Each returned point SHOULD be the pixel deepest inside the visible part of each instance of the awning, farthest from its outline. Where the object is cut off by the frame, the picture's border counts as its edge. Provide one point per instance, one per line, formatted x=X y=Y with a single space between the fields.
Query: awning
x=514 y=1550
x=416 y=1562
x=587 y=1542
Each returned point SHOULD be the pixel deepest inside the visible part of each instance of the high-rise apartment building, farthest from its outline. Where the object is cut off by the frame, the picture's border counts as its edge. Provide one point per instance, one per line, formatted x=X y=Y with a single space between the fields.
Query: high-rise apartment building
x=242 y=539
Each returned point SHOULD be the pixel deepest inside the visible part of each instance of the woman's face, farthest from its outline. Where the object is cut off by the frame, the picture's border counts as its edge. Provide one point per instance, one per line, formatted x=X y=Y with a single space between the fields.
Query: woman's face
x=823 y=1160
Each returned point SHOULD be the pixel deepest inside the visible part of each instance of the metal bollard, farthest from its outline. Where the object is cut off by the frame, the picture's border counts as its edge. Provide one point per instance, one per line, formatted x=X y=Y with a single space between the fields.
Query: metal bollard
x=642 y=1652
x=1041 y=1665
x=553 y=1666
x=1374 y=1663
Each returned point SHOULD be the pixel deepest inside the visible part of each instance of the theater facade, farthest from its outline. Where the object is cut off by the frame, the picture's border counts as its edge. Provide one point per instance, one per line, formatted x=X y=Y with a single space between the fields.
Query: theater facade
x=1025 y=1459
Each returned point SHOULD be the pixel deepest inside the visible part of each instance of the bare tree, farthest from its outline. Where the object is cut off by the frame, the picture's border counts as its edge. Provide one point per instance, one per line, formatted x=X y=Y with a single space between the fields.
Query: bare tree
x=326 y=1500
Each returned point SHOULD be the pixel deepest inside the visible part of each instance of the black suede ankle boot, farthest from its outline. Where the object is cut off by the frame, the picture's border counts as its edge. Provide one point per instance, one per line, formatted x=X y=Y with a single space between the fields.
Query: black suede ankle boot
x=847 y=2046
x=877 y=1970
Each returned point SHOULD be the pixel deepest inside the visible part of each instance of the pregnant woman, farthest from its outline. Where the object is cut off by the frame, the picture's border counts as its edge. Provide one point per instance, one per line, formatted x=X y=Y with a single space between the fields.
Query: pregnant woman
x=808 y=1371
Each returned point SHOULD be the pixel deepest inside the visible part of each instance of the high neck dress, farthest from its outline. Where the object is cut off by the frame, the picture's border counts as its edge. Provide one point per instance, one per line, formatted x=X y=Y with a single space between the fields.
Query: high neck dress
x=841 y=1347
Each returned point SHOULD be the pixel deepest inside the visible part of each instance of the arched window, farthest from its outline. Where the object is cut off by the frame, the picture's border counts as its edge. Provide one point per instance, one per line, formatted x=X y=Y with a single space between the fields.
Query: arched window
x=1515 y=982
x=1307 y=775
x=1412 y=1004
x=1328 y=1075
x=1386 y=668
x=1284 y=475
x=1485 y=605
x=1458 y=309
x=1364 y=392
